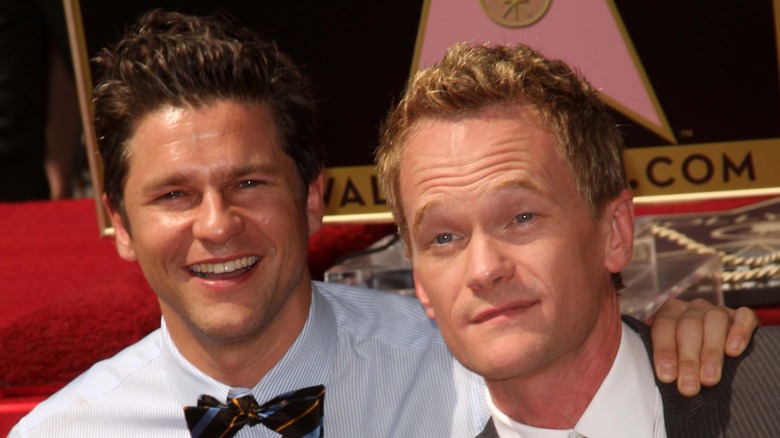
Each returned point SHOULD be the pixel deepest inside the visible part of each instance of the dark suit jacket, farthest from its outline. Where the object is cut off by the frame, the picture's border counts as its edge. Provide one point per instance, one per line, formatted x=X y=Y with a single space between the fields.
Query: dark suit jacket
x=745 y=404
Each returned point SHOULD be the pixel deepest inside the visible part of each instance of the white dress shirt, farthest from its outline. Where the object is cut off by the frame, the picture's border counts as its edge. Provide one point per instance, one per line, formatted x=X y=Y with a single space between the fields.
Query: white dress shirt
x=627 y=404
x=386 y=370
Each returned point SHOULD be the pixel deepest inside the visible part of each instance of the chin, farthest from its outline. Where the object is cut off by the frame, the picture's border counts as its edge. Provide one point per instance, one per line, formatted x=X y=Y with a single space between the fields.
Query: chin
x=503 y=360
x=226 y=326
x=496 y=370
x=229 y=334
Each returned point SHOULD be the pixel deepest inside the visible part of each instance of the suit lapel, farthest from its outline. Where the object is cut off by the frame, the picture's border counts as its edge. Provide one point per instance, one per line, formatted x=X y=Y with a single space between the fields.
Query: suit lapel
x=489 y=431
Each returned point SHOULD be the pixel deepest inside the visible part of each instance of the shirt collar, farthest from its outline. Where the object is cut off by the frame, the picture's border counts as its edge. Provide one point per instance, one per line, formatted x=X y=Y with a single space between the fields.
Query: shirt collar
x=628 y=399
x=306 y=363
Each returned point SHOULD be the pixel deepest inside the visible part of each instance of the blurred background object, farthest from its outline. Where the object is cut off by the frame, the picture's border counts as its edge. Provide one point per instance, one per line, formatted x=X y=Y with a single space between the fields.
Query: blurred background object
x=40 y=152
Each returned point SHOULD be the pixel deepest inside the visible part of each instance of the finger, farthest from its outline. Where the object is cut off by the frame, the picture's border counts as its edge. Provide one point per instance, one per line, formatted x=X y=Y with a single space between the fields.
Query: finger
x=745 y=322
x=672 y=309
x=664 y=335
x=716 y=325
x=690 y=335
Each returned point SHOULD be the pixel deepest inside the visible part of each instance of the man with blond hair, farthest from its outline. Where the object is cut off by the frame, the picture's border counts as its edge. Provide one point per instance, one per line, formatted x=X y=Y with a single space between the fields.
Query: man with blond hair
x=505 y=173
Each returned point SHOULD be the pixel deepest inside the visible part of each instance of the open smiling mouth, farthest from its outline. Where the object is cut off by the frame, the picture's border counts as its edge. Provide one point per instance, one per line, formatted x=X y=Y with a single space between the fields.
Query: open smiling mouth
x=224 y=270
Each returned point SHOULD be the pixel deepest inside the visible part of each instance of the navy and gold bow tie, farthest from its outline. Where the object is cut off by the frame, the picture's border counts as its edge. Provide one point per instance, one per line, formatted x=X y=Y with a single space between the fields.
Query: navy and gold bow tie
x=296 y=414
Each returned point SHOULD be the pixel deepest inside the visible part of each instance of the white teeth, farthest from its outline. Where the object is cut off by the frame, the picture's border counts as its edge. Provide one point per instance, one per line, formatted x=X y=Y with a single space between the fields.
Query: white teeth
x=226 y=267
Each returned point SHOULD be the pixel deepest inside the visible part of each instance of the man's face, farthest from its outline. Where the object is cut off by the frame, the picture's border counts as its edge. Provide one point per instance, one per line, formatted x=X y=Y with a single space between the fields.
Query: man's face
x=506 y=256
x=219 y=222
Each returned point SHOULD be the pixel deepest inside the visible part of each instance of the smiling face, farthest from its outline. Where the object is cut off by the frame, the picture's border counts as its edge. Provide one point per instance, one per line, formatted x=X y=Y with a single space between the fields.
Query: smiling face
x=507 y=257
x=219 y=223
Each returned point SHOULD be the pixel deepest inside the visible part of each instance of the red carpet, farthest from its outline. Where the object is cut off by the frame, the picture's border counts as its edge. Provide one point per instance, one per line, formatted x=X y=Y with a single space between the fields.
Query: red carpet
x=66 y=297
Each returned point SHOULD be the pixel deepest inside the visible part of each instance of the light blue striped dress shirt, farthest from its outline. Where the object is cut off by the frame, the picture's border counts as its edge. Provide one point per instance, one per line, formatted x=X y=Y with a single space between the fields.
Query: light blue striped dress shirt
x=386 y=370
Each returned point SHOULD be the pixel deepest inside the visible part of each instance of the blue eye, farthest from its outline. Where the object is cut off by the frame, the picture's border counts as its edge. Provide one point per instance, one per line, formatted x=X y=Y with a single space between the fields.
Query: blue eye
x=524 y=217
x=443 y=239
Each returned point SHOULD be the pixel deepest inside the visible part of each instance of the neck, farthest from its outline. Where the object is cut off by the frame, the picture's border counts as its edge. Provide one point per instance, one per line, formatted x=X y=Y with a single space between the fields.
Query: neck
x=556 y=397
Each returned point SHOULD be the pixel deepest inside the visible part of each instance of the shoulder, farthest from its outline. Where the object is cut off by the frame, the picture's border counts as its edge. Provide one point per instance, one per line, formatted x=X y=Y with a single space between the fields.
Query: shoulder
x=744 y=402
x=749 y=390
x=391 y=361
x=380 y=316
x=767 y=336
x=100 y=390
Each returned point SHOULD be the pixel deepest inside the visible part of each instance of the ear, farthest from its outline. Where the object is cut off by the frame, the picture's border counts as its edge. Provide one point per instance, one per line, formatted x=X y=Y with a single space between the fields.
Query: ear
x=122 y=237
x=423 y=297
x=315 y=205
x=620 y=238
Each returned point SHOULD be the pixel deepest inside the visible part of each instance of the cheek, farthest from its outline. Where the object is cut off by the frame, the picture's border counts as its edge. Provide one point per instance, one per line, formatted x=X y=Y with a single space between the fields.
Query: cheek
x=156 y=235
x=164 y=223
x=560 y=261
x=281 y=212
x=440 y=293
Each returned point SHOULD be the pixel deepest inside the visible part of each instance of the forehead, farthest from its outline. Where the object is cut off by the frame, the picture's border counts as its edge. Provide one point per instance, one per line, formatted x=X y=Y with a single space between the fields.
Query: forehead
x=227 y=120
x=449 y=159
x=212 y=141
x=479 y=144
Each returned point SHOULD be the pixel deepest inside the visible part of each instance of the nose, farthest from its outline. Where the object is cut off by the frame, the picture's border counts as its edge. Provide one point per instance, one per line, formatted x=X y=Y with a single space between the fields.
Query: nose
x=215 y=220
x=488 y=265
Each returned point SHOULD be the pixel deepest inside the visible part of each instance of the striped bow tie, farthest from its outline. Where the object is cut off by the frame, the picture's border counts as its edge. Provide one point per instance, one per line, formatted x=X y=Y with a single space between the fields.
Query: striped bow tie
x=296 y=414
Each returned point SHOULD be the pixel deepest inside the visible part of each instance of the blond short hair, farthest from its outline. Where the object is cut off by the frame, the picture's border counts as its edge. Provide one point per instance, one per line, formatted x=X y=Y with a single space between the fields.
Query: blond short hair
x=472 y=78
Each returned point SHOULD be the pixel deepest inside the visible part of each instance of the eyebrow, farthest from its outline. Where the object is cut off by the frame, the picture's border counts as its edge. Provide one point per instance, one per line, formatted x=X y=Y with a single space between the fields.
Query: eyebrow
x=422 y=213
x=249 y=169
